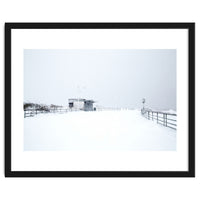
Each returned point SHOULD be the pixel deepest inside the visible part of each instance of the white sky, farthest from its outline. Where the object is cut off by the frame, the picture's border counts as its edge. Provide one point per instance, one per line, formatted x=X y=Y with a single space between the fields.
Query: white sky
x=113 y=78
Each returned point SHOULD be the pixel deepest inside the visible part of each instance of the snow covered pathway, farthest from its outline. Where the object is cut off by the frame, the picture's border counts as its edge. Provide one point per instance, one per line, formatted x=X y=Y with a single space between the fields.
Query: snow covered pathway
x=100 y=130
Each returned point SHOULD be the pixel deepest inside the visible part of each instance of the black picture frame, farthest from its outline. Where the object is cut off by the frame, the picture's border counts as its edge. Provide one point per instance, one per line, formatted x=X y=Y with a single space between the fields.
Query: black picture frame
x=191 y=99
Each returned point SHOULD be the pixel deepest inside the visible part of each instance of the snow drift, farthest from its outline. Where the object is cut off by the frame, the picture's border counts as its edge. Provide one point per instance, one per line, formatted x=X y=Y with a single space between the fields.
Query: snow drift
x=102 y=130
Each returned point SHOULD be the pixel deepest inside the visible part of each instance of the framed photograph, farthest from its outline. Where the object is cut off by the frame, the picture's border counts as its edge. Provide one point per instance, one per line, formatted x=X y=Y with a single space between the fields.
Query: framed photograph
x=99 y=99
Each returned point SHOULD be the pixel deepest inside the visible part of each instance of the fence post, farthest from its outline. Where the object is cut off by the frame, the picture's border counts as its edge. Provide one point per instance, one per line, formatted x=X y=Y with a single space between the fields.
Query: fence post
x=157 y=117
x=152 y=116
x=166 y=119
x=163 y=119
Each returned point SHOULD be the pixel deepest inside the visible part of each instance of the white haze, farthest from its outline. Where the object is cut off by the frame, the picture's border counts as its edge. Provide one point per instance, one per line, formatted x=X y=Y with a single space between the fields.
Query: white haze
x=113 y=78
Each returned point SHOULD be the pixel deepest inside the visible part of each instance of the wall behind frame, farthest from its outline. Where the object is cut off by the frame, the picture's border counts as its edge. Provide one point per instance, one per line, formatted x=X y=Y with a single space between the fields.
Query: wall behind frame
x=99 y=188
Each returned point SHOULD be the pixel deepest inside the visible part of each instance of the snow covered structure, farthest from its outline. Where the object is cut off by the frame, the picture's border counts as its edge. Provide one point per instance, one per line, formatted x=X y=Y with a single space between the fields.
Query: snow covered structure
x=81 y=104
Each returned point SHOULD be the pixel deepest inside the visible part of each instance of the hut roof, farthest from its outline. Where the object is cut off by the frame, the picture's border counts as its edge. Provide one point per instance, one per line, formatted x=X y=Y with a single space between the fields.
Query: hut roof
x=79 y=99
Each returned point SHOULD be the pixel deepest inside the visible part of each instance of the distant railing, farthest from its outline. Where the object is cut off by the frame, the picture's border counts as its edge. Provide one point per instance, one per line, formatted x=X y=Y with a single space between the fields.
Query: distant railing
x=163 y=118
x=33 y=112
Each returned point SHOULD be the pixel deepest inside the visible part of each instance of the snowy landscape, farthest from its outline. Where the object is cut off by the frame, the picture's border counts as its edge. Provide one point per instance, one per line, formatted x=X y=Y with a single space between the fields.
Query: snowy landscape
x=118 y=130
x=100 y=99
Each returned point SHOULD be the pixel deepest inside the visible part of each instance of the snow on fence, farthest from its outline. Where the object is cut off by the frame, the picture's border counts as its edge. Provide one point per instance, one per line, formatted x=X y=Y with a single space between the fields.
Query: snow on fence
x=163 y=118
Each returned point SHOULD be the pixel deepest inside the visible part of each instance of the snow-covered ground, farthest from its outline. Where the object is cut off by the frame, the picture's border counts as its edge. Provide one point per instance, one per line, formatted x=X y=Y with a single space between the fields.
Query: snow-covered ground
x=100 y=130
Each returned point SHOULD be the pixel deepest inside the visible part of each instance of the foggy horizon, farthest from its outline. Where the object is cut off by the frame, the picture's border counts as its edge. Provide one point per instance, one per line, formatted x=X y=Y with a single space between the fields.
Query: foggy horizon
x=112 y=78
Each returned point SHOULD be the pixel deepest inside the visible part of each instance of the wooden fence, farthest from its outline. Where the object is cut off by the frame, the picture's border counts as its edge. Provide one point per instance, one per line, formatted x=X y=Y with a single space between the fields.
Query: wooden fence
x=33 y=112
x=163 y=118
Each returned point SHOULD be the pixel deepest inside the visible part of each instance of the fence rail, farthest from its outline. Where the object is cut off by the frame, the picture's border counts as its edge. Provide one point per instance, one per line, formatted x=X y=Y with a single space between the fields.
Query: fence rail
x=163 y=118
x=33 y=112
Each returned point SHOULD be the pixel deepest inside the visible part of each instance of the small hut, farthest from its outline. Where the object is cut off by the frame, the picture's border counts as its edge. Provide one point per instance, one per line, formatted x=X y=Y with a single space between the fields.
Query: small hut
x=81 y=104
